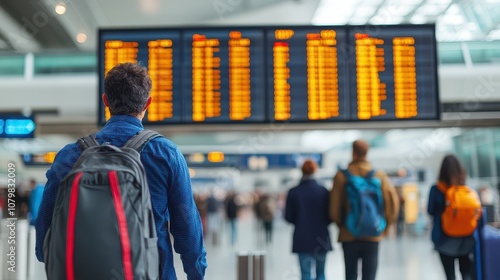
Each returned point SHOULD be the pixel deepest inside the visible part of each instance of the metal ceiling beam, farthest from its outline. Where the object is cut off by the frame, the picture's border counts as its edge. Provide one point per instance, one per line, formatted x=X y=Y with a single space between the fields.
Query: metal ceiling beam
x=19 y=37
x=37 y=22
x=78 y=18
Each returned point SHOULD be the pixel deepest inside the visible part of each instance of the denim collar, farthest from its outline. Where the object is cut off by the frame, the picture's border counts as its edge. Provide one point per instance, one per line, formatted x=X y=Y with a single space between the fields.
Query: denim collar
x=124 y=118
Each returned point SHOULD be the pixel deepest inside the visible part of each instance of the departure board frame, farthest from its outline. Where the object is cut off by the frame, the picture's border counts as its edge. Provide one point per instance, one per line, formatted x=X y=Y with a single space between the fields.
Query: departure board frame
x=179 y=93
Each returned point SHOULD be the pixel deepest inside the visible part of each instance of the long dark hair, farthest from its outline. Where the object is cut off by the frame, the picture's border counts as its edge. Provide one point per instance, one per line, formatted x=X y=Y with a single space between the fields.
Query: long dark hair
x=452 y=171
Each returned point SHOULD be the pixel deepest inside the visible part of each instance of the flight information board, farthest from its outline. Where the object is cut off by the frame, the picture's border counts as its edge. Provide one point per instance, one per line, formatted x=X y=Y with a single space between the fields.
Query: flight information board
x=226 y=67
x=280 y=74
x=160 y=52
x=395 y=73
x=307 y=81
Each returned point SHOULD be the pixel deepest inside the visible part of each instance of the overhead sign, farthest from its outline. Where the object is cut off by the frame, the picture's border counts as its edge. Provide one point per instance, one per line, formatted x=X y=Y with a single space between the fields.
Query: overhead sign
x=254 y=162
x=16 y=126
x=38 y=159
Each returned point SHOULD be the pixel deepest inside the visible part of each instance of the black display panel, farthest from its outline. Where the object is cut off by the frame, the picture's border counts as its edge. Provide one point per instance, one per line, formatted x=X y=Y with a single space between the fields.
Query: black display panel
x=393 y=71
x=292 y=74
x=223 y=74
x=307 y=74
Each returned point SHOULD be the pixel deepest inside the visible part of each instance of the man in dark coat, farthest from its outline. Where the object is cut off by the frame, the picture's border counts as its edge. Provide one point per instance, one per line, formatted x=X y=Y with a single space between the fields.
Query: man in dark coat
x=307 y=209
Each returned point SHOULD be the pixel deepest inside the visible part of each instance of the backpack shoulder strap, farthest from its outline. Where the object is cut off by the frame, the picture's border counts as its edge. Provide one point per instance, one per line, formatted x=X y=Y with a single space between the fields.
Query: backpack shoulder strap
x=370 y=174
x=87 y=142
x=346 y=172
x=139 y=141
x=441 y=187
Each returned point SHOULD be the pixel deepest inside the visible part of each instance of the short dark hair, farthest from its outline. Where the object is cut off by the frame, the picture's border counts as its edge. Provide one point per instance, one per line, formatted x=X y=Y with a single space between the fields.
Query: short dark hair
x=127 y=87
x=360 y=148
x=452 y=171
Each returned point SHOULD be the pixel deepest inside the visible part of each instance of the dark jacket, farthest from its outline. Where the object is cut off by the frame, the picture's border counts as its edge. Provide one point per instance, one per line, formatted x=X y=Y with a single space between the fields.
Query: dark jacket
x=435 y=208
x=307 y=209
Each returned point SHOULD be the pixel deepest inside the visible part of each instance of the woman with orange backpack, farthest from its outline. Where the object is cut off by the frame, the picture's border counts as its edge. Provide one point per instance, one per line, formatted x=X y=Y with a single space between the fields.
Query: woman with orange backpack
x=456 y=209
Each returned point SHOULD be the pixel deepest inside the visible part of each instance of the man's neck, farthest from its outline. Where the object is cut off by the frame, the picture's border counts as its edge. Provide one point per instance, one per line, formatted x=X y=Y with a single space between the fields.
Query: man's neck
x=140 y=116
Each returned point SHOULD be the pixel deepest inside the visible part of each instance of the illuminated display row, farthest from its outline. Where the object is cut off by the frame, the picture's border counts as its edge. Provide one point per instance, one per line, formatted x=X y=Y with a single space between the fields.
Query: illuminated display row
x=308 y=81
x=322 y=75
x=292 y=74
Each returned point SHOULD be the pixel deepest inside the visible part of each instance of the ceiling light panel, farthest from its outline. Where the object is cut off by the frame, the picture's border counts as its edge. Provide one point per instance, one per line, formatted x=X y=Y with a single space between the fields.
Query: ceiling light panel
x=431 y=9
x=453 y=16
x=358 y=20
x=419 y=19
x=372 y=2
x=439 y=2
x=334 y=12
x=400 y=10
x=364 y=11
x=494 y=35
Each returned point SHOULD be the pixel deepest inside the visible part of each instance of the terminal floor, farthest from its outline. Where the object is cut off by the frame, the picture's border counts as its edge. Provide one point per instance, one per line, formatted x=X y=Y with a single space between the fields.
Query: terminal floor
x=405 y=258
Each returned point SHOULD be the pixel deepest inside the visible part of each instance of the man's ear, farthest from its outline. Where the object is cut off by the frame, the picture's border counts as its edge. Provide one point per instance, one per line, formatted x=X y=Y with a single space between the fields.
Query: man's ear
x=150 y=99
x=105 y=100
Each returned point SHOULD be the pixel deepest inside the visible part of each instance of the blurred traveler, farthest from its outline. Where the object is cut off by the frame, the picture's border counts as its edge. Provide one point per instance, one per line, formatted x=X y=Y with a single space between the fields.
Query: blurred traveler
x=2 y=204
x=127 y=95
x=267 y=209
x=451 y=174
x=400 y=223
x=201 y=205
x=22 y=195
x=232 y=208
x=35 y=199
x=487 y=198
x=362 y=247
x=214 y=205
x=307 y=209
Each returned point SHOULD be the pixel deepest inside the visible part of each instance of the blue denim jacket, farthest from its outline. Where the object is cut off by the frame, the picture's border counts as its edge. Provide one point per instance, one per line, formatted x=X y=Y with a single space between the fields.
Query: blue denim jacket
x=171 y=196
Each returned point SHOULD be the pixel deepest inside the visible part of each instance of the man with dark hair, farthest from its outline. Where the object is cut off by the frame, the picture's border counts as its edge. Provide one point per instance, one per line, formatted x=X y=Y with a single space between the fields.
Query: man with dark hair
x=360 y=149
x=364 y=248
x=127 y=88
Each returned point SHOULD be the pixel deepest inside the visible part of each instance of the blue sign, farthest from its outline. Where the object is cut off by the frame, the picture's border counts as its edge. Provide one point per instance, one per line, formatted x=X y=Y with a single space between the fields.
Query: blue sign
x=16 y=126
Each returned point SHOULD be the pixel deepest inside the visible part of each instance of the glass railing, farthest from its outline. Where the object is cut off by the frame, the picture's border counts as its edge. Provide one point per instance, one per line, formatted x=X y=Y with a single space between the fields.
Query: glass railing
x=65 y=63
x=13 y=64
x=450 y=53
x=482 y=52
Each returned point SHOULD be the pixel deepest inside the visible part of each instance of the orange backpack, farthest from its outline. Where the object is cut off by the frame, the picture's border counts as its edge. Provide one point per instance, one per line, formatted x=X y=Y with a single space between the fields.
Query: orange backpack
x=462 y=210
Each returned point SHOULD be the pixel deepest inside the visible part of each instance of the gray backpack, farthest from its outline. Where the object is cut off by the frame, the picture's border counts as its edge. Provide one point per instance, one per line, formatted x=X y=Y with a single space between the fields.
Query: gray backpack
x=103 y=225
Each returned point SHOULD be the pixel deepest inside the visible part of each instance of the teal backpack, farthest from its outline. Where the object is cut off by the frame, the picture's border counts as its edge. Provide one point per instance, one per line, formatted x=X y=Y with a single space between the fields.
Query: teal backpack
x=366 y=216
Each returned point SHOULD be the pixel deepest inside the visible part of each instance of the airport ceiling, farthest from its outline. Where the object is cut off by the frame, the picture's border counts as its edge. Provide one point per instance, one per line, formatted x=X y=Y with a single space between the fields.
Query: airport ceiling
x=71 y=25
